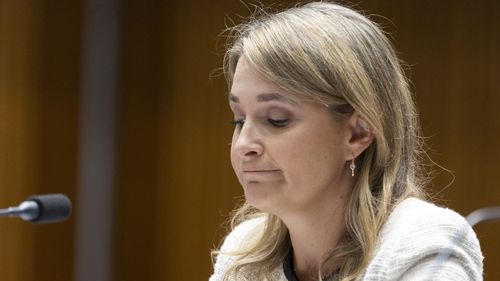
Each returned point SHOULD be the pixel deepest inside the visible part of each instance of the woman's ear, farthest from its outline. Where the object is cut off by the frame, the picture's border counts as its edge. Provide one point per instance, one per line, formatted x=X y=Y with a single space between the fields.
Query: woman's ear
x=361 y=135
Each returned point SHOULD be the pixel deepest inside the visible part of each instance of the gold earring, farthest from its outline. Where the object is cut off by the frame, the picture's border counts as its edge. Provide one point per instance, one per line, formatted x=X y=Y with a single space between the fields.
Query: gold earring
x=353 y=167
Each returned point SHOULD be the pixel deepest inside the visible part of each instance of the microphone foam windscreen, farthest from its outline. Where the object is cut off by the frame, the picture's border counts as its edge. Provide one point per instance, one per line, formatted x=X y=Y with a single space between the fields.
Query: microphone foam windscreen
x=52 y=207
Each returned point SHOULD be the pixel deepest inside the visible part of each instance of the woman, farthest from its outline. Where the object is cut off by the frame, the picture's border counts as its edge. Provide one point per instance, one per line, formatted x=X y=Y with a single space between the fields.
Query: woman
x=327 y=147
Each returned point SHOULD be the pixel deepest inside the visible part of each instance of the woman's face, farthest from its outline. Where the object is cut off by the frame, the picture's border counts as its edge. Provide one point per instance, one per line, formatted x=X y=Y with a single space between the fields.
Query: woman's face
x=288 y=156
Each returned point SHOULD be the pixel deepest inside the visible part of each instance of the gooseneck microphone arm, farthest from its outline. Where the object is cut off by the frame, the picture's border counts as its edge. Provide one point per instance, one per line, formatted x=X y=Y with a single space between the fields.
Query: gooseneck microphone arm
x=46 y=208
x=27 y=210
x=483 y=215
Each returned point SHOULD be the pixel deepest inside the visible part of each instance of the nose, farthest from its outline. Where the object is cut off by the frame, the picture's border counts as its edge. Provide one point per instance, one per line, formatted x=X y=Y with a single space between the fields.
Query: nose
x=247 y=142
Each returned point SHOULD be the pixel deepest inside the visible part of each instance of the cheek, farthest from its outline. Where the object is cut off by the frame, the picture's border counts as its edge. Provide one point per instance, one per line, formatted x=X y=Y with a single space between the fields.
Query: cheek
x=315 y=159
x=232 y=156
x=232 y=153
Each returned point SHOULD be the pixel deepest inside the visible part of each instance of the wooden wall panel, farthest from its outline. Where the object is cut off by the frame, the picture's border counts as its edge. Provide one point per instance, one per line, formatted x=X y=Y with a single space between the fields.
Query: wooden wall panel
x=138 y=205
x=195 y=131
x=18 y=136
x=38 y=94
x=59 y=71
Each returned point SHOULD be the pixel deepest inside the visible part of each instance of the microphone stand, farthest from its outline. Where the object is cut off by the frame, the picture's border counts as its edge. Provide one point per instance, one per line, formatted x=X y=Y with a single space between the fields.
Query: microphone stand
x=27 y=210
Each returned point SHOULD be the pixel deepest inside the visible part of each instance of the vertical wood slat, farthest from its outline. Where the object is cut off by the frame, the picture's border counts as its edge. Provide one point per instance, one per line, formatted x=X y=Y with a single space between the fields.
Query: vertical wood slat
x=137 y=201
x=19 y=140
x=58 y=131
x=199 y=185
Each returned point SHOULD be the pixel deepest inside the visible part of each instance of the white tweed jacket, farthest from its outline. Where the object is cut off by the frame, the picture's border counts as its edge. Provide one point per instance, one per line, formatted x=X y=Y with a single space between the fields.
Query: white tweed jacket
x=420 y=241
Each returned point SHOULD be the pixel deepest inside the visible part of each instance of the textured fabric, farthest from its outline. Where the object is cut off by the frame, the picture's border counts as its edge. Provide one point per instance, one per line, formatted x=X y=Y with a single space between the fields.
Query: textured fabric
x=420 y=241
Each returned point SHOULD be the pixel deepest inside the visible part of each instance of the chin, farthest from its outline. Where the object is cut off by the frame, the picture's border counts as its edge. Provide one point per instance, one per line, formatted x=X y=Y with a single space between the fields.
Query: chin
x=260 y=197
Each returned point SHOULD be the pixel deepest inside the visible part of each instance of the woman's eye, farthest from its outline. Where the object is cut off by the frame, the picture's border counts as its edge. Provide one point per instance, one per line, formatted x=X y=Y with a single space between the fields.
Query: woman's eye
x=238 y=123
x=278 y=122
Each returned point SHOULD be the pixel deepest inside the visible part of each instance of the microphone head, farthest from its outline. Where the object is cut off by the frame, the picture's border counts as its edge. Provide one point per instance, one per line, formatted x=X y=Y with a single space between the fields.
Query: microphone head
x=52 y=208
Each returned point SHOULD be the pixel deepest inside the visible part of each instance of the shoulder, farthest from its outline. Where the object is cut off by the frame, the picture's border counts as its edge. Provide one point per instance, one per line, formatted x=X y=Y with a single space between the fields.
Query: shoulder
x=243 y=234
x=238 y=239
x=422 y=239
x=423 y=217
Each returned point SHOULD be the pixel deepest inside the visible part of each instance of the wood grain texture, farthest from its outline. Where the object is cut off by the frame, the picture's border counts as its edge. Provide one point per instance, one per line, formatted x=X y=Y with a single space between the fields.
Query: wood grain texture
x=174 y=183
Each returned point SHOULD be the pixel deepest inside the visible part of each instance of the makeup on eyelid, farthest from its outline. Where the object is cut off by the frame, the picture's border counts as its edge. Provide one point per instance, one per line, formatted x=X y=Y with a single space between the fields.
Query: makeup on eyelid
x=276 y=115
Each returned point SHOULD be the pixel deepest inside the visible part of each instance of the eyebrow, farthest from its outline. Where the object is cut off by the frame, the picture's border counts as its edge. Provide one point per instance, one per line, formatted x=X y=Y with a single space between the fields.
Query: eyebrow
x=260 y=98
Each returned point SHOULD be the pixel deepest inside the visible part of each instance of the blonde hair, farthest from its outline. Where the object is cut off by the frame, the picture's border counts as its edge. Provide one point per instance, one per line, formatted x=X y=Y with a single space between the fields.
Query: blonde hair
x=333 y=55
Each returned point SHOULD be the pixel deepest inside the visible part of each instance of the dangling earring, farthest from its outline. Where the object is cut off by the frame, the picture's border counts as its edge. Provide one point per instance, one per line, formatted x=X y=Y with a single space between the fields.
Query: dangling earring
x=353 y=167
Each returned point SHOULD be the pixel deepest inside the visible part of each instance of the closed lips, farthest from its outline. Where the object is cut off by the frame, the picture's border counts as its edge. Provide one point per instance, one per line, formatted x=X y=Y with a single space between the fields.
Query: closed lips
x=259 y=171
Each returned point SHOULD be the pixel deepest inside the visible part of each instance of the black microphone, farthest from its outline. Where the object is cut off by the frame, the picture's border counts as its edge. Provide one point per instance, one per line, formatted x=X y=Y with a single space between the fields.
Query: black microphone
x=47 y=208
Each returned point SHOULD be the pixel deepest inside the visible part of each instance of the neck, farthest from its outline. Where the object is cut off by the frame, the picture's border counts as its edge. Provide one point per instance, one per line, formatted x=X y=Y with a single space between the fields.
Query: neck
x=315 y=233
